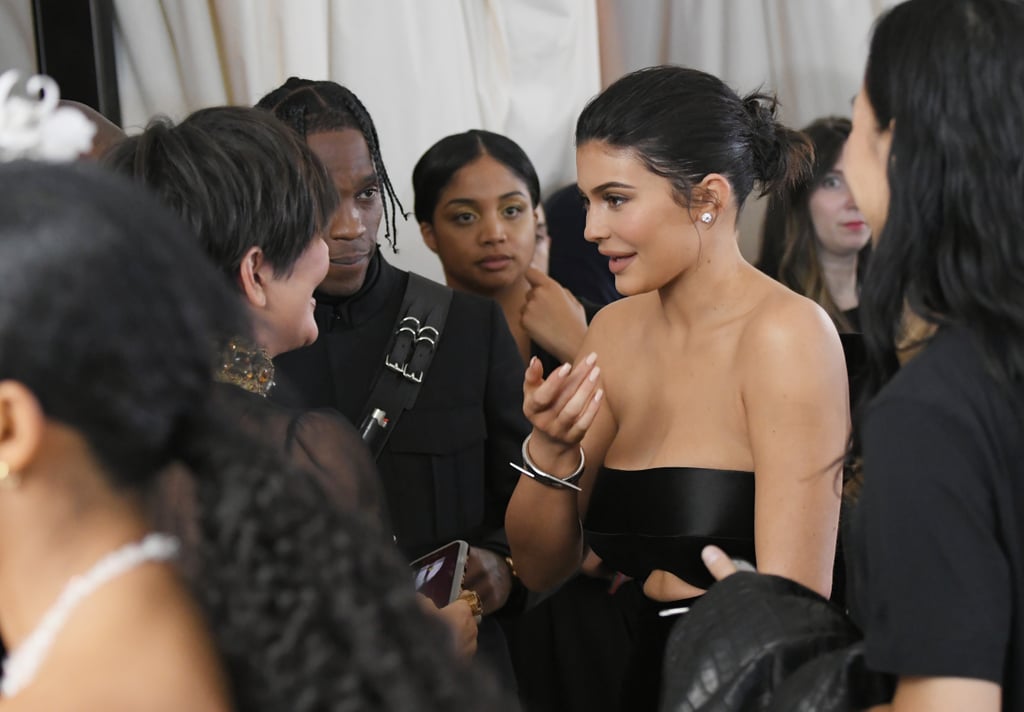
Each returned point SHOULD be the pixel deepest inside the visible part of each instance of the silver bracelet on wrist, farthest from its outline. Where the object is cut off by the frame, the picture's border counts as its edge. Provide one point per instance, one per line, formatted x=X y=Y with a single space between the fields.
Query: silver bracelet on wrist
x=531 y=470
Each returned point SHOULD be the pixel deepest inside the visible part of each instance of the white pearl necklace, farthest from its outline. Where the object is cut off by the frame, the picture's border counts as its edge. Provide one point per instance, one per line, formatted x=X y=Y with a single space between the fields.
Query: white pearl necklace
x=21 y=664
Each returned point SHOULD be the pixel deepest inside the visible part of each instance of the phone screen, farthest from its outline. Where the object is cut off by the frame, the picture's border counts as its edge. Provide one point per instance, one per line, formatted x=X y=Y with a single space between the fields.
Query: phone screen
x=438 y=575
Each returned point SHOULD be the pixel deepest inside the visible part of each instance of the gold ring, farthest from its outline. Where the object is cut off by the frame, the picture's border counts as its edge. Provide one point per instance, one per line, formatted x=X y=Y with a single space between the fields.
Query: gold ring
x=476 y=606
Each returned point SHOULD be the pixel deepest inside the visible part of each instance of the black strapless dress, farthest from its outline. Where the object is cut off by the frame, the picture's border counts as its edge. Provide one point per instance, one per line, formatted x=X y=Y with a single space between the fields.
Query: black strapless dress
x=661 y=518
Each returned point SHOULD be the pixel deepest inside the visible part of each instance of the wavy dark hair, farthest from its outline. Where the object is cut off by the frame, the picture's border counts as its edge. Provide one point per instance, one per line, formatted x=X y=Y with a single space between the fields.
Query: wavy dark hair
x=443 y=160
x=946 y=76
x=789 y=244
x=239 y=178
x=310 y=107
x=109 y=314
x=684 y=124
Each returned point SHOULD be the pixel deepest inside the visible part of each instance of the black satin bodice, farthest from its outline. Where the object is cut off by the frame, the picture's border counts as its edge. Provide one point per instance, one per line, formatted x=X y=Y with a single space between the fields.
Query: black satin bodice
x=661 y=518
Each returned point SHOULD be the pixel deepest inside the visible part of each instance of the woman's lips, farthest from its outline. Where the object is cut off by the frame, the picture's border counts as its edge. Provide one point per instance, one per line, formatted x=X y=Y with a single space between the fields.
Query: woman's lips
x=617 y=263
x=495 y=263
x=854 y=225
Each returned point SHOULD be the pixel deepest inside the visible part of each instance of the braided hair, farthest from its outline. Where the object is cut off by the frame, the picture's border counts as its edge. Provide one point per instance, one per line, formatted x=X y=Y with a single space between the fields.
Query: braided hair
x=310 y=107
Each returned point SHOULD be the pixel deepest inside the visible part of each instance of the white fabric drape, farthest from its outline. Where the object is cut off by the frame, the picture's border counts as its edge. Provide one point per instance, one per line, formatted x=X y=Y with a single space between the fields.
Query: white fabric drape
x=424 y=69
x=17 y=46
x=810 y=53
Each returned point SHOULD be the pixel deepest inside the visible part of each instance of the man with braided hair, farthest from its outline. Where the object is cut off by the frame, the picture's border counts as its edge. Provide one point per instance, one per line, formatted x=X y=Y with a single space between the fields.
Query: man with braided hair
x=444 y=463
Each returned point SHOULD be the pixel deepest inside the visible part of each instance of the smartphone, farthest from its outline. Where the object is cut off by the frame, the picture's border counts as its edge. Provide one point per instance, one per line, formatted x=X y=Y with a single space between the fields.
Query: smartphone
x=438 y=575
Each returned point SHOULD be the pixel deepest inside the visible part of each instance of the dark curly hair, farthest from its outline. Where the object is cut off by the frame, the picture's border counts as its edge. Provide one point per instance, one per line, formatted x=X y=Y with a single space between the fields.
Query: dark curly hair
x=310 y=107
x=109 y=314
x=239 y=178
x=684 y=124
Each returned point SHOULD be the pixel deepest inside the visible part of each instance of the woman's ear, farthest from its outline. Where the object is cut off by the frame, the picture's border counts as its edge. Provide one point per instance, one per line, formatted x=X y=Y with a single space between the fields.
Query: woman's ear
x=710 y=196
x=429 y=238
x=253 y=274
x=21 y=425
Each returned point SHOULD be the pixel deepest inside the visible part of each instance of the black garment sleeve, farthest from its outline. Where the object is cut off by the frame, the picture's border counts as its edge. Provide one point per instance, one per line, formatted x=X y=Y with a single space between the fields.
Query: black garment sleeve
x=936 y=581
x=327 y=446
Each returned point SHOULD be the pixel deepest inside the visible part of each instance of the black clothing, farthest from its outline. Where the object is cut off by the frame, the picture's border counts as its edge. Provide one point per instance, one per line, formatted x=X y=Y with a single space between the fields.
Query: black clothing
x=662 y=518
x=445 y=469
x=319 y=442
x=938 y=561
x=853 y=317
x=573 y=262
x=763 y=642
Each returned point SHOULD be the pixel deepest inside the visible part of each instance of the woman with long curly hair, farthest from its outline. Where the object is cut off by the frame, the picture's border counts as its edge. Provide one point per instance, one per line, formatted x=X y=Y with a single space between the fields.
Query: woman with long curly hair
x=107 y=387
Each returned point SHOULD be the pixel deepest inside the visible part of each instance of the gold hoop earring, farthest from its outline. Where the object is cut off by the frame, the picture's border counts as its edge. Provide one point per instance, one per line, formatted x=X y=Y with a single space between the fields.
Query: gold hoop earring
x=8 y=478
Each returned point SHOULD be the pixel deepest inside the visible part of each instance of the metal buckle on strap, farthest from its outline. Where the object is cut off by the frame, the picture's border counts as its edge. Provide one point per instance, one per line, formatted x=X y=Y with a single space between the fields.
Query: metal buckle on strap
x=405 y=337
x=423 y=339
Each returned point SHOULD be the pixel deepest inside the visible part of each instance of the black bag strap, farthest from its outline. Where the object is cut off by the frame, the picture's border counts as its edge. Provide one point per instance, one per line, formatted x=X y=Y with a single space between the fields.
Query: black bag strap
x=407 y=359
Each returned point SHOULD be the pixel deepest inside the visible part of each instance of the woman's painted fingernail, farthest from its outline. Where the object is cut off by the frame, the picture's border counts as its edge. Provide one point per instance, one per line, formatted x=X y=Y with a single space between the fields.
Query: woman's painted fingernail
x=599 y=395
x=594 y=374
x=591 y=358
x=710 y=555
x=564 y=370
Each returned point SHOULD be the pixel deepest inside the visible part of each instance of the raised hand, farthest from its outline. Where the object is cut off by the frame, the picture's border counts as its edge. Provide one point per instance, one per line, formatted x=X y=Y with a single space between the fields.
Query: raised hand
x=552 y=316
x=561 y=408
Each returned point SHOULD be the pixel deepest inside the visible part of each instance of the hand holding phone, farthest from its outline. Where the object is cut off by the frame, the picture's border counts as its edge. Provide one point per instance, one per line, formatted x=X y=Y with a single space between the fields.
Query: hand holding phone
x=439 y=574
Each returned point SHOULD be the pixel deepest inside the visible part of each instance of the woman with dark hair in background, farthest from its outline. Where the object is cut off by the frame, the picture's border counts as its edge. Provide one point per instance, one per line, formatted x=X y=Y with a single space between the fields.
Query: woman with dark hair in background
x=814 y=240
x=704 y=389
x=477 y=202
x=477 y=197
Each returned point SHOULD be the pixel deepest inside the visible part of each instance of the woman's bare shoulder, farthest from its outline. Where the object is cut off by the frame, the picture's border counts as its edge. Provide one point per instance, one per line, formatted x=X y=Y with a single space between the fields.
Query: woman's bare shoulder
x=619 y=317
x=782 y=314
x=790 y=332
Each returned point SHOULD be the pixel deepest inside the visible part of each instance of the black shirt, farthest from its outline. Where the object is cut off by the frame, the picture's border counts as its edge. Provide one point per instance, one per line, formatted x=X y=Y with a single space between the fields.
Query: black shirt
x=938 y=532
x=444 y=470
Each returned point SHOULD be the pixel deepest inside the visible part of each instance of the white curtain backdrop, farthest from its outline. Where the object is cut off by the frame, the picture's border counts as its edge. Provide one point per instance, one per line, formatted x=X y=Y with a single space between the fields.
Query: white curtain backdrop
x=811 y=53
x=428 y=68
x=424 y=69
x=17 y=46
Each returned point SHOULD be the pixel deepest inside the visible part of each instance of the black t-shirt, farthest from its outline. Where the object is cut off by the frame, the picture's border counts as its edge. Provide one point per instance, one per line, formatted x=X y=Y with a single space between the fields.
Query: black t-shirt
x=939 y=586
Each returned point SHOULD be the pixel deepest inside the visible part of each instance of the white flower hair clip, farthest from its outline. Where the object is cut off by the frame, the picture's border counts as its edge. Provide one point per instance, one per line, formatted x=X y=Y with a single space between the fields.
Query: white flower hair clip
x=40 y=129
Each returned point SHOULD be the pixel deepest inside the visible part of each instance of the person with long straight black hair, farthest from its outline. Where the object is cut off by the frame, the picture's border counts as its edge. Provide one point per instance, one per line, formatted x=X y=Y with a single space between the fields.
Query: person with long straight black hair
x=935 y=161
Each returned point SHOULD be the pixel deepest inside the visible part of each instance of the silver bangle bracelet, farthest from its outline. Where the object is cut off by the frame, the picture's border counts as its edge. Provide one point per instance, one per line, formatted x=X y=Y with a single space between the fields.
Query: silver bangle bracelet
x=531 y=470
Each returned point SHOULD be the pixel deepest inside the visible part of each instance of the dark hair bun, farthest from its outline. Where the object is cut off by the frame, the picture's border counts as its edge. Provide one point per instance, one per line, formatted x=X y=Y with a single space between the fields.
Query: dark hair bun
x=782 y=157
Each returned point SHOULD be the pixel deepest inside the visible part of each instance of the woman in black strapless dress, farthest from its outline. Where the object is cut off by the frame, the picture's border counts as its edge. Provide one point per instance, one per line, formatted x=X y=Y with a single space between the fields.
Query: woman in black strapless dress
x=719 y=413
